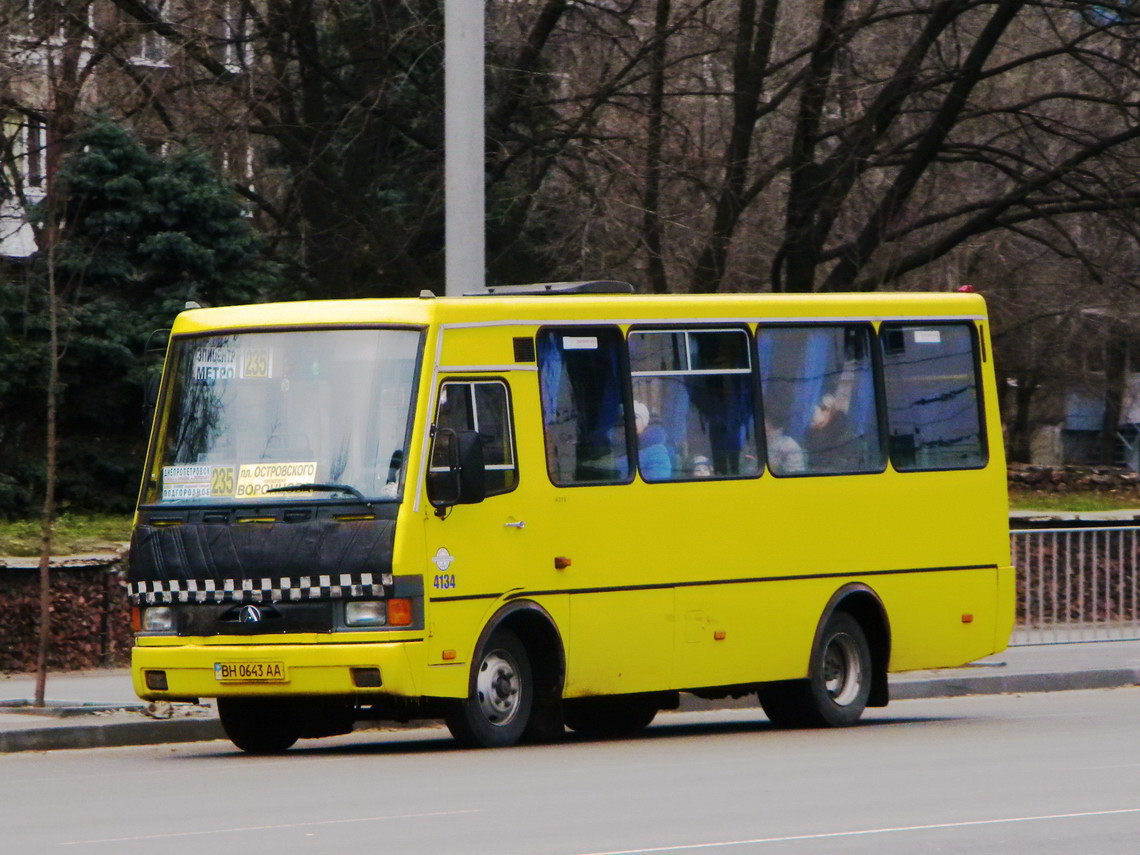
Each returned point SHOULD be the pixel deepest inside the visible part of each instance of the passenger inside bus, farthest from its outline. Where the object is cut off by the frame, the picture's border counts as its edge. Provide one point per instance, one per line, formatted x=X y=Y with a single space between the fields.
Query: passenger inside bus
x=653 y=455
x=828 y=437
x=785 y=456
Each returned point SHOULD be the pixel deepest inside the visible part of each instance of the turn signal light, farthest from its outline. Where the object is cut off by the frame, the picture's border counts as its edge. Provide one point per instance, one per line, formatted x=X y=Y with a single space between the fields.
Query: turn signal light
x=399 y=612
x=156 y=681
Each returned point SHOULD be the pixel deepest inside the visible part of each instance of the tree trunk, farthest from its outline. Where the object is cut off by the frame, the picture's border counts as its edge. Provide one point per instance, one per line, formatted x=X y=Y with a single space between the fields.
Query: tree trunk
x=755 y=34
x=794 y=266
x=48 y=517
x=1019 y=435
x=1115 y=380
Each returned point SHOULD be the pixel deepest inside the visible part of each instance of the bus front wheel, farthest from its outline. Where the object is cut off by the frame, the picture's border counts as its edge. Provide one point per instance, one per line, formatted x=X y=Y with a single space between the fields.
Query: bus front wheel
x=259 y=726
x=498 y=709
x=838 y=684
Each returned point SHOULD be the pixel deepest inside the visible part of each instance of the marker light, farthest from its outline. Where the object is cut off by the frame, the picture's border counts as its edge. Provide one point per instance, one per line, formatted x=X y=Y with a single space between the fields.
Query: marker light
x=365 y=613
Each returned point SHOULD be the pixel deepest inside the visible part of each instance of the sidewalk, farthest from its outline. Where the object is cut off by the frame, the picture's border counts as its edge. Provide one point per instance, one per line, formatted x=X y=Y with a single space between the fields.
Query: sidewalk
x=93 y=709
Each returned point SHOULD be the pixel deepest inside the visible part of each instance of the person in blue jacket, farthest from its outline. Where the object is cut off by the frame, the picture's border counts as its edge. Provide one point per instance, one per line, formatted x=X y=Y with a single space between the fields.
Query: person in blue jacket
x=653 y=456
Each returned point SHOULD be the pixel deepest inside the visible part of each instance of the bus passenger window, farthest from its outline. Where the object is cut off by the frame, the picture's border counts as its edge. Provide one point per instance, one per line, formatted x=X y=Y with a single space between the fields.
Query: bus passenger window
x=695 y=390
x=583 y=410
x=482 y=406
x=933 y=410
x=819 y=400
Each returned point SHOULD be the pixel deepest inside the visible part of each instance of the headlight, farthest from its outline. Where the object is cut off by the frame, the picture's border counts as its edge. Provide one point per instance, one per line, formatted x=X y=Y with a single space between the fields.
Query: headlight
x=365 y=613
x=158 y=619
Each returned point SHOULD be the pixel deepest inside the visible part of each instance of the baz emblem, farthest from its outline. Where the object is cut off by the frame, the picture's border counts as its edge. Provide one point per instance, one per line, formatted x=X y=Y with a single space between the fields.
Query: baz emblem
x=442 y=560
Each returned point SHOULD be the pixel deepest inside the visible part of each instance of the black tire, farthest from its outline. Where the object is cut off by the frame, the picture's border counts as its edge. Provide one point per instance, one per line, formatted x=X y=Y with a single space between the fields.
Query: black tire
x=546 y=723
x=616 y=716
x=838 y=684
x=498 y=710
x=782 y=702
x=259 y=726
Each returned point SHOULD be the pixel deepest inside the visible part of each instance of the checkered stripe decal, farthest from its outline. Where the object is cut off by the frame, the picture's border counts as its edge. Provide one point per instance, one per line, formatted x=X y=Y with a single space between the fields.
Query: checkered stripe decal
x=283 y=589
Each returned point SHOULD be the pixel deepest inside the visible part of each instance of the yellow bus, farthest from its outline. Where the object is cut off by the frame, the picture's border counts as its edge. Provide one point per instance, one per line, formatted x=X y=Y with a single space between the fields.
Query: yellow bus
x=564 y=506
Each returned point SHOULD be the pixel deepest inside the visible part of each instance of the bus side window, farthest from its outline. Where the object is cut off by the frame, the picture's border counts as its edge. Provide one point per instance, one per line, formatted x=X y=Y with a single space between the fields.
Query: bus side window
x=696 y=390
x=819 y=399
x=482 y=406
x=584 y=415
x=930 y=374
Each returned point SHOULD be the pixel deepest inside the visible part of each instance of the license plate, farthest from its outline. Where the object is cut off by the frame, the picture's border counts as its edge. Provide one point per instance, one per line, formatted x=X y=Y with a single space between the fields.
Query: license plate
x=249 y=672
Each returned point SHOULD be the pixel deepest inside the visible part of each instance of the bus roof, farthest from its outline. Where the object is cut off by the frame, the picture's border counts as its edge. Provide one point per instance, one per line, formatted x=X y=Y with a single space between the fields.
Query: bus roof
x=545 y=308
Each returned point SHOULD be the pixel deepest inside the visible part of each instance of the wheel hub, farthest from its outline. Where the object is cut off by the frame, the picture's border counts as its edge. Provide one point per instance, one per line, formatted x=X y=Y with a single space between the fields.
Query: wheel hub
x=842 y=670
x=498 y=688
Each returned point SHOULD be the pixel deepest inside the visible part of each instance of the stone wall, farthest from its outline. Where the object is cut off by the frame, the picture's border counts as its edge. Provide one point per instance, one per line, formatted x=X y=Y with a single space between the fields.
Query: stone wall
x=90 y=615
x=1036 y=477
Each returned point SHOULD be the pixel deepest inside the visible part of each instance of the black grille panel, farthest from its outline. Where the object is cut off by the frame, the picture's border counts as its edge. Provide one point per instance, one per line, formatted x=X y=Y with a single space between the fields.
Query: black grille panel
x=225 y=619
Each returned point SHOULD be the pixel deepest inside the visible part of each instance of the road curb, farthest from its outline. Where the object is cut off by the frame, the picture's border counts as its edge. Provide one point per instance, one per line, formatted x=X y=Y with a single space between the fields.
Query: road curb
x=110 y=735
x=1013 y=684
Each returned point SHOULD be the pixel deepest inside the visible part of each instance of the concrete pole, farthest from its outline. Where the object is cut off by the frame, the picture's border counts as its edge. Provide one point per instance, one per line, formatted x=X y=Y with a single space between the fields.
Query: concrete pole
x=463 y=109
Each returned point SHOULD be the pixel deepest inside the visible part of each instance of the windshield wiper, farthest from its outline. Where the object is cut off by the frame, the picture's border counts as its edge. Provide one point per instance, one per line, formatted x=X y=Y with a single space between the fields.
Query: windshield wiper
x=327 y=488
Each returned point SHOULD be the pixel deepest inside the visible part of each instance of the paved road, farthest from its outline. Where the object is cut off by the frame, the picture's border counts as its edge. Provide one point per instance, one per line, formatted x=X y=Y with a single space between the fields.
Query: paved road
x=1039 y=668
x=1042 y=773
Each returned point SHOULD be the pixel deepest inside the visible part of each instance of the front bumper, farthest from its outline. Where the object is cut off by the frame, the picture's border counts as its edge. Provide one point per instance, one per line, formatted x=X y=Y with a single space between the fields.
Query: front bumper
x=309 y=669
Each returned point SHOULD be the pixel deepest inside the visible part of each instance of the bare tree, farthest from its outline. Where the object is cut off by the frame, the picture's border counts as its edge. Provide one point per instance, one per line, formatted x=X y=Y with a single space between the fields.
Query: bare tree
x=54 y=58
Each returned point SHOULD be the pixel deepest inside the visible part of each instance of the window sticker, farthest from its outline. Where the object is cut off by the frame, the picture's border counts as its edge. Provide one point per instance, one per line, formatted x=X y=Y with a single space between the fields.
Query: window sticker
x=256 y=362
x=255 y=479
x=186 y=482
x=580 y=342
x=927 y=337
x=230 y=363
x=222 y=481
x=215 y=363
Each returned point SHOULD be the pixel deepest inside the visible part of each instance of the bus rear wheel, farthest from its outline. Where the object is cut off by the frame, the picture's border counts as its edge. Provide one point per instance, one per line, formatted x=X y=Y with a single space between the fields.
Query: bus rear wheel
x=838 y=684
x=498 y=709
x=259 y=726
x=610 y=716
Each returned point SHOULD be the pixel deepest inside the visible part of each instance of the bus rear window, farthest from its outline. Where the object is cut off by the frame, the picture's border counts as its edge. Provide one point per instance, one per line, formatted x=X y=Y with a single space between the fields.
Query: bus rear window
x=933 y=410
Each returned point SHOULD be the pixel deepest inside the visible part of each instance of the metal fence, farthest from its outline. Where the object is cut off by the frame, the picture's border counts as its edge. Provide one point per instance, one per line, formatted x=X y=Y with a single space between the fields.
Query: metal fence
x=1077 y=584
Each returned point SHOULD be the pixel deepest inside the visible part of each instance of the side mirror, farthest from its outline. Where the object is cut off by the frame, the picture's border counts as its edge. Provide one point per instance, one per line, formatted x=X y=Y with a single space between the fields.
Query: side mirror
x=463 y=482
x=150 y=401
x=152 y=358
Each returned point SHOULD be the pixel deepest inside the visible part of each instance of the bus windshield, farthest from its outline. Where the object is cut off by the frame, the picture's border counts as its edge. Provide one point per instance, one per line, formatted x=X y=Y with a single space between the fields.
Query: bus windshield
x=305 y=414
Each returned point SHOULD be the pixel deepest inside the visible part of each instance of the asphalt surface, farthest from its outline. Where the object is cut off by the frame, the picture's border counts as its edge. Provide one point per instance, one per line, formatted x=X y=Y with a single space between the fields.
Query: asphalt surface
x=93 y=709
